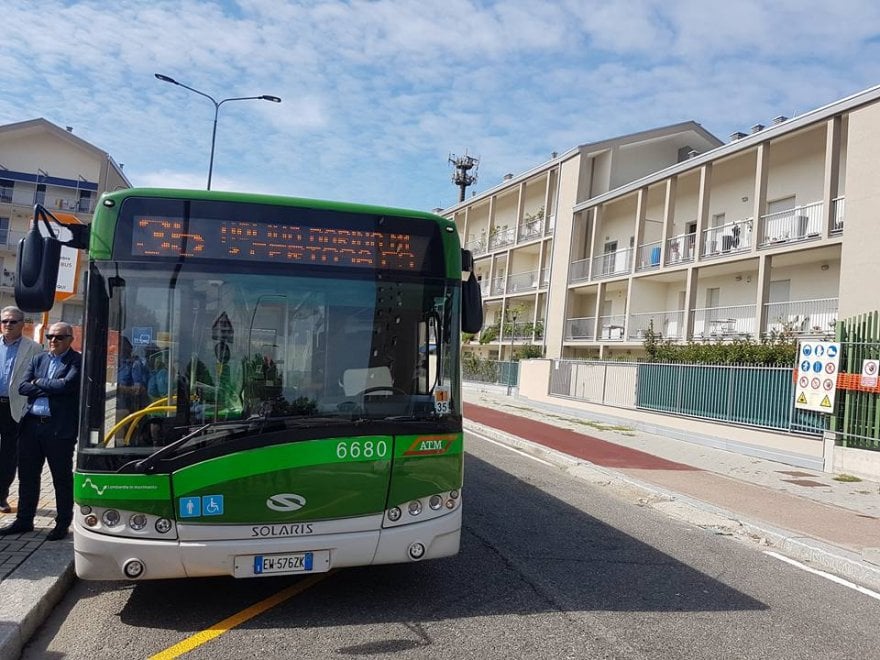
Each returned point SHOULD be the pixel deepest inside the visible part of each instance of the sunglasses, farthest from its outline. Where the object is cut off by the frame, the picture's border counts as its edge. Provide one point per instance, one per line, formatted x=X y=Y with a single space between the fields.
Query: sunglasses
x=9 y=321
x=58 y=337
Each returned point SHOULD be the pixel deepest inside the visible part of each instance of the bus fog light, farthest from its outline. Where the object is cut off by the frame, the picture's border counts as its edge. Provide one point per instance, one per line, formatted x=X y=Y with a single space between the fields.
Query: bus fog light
x=435 y=502
x=91 y=520
x=450 y=504
x=133 y=568
x=163 y=525
x=111 y=517
x=394 y=514
x=137 y=522
x=415 y=508
x=416 y=551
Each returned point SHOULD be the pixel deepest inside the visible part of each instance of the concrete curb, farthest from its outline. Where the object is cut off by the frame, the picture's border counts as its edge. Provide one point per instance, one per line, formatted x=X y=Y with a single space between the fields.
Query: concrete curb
x=30 y=592
x=816 y=553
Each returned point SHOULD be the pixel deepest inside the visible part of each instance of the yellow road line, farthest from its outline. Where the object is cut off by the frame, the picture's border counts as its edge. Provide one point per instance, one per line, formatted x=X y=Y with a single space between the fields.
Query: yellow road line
x=231 y=622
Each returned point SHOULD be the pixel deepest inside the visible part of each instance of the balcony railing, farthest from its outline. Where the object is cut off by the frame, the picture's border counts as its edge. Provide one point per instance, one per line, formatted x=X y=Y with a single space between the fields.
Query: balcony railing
x=612 y=264
x=520 y=282
x=798 y=224
x=580 y=328
x=529 y=231
x=838 y=207
x=497 y=287
x=9 y=239
x=612 y=327
x=730 y=238
x=648 y=256
x=579 y=271
x=803 y=318
x=501 y=238
x=666 y=325
x=681 y=249
x=732 y=322
x=477 y=247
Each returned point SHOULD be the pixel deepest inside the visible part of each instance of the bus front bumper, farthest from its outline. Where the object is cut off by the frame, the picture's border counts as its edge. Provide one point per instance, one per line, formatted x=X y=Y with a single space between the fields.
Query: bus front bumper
x=105 y=557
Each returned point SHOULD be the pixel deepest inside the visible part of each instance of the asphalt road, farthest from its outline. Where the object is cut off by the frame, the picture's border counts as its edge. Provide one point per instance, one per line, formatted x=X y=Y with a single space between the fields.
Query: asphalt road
x=550 y=567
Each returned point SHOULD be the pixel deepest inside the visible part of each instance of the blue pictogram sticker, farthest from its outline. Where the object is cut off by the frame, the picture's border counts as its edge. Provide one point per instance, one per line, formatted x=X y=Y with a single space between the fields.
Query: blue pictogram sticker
x=807 y=350
x=832 y=350
x=212 y=505
x=805 y=365
x=820 y=350
x=190 y=507
x=817 y=366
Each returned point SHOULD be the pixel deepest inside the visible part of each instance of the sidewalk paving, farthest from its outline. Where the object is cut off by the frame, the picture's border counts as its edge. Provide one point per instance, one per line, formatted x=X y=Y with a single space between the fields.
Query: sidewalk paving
x=805 y=514
x=34 y=573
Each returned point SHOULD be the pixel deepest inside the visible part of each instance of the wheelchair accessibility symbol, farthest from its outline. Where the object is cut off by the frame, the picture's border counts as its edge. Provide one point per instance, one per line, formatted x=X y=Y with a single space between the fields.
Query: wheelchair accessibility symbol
x=212 y=505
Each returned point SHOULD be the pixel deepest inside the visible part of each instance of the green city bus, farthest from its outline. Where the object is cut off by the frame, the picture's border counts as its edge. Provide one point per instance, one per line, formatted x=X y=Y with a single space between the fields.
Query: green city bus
x=270 y=385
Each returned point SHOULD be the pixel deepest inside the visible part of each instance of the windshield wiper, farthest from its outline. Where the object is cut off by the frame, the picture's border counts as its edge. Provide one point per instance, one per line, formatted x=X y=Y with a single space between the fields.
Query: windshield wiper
x=145 y=464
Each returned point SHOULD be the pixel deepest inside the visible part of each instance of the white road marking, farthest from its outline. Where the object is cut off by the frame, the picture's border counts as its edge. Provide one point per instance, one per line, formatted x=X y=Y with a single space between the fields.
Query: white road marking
x=513 y=449
x=827 y=576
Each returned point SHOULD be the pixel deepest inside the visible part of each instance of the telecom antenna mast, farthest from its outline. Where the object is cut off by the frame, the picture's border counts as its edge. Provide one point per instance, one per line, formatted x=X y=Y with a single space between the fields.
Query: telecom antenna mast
x=462 y=176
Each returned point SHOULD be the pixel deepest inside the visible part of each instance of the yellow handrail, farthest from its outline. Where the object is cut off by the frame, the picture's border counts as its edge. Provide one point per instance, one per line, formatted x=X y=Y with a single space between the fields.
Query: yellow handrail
x=156 y=406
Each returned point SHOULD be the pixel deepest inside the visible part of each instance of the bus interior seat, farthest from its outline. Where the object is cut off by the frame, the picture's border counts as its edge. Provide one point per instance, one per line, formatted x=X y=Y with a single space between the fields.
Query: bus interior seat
x=355 y=381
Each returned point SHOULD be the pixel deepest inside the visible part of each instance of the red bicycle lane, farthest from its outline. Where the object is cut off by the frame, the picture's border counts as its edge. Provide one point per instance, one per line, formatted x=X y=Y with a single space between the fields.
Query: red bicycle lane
x=586 y=447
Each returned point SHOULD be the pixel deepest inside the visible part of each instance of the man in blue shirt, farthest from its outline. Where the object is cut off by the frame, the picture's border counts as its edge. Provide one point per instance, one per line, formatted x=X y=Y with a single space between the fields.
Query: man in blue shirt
x=16 y=352
x=48 y=431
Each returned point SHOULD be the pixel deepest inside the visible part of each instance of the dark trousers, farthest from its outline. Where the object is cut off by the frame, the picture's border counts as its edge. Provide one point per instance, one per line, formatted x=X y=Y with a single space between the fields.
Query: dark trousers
x=39 y=442
x=8 y=448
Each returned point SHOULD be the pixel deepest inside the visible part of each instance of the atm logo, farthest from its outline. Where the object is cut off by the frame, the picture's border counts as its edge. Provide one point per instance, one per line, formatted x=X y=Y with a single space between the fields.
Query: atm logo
x=431 y=445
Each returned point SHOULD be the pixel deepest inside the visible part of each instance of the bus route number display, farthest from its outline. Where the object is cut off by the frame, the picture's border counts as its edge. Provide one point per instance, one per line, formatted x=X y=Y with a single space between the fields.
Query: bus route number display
x=276 y=243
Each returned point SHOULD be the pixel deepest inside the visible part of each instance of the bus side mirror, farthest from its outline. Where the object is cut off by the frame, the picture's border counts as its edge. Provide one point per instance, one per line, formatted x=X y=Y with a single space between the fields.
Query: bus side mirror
x=471 y=299
x=36 y=271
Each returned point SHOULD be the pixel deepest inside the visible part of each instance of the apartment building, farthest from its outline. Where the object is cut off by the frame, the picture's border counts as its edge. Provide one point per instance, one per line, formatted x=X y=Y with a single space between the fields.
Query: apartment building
x=41 y=163
x=674 y=231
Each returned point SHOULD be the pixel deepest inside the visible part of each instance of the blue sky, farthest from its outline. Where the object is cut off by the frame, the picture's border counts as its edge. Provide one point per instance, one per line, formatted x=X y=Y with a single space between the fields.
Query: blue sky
x=376 y=95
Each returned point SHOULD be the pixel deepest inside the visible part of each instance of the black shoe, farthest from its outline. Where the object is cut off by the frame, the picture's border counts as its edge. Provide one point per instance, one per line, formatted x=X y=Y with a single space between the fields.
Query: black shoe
x=4 y=507
x=57 y=534
x=17 y=527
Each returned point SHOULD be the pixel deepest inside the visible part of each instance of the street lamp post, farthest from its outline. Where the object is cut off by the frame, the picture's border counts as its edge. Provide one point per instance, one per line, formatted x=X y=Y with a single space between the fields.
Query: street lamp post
x=512 y=317
x=217 y=104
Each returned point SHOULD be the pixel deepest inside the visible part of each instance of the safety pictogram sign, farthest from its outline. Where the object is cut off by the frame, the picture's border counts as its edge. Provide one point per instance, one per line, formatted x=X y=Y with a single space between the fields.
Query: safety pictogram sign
x=869 y=373
x=821 y=360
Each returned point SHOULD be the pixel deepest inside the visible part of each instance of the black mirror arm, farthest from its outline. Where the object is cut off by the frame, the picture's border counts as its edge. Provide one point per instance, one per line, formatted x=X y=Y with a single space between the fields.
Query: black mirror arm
x=79 y=233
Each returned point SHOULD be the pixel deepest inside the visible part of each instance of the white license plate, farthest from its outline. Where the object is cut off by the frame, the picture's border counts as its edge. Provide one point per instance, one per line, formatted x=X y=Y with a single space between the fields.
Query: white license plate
x=282 y=563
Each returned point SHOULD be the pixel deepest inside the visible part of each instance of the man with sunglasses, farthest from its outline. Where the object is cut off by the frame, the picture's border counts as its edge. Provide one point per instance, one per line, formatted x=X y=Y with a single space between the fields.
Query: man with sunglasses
x=48 y=431
x=16 y=352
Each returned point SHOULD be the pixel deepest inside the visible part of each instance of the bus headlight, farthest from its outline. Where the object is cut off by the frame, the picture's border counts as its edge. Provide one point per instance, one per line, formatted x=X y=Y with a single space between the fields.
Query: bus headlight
x=111 y=517
x=163 y=525
x=137 y=522
x=394 y=514
x=435 y=502
x=91 y=520
x=415 y=508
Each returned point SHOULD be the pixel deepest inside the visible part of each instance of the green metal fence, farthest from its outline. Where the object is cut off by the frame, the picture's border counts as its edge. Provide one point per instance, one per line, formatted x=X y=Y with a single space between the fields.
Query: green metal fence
x=857 y=421
x=493 y=372
x=760 y=396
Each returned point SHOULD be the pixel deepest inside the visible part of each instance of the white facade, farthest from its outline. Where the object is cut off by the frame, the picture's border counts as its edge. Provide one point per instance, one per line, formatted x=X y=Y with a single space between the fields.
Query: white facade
x=717 y=242
x=43 y=163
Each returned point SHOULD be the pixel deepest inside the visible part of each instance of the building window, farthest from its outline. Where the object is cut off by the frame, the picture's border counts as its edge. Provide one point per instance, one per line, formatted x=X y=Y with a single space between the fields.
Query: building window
x=40 y=194
x=6 y=187
x=85 y=201
x=4 y=231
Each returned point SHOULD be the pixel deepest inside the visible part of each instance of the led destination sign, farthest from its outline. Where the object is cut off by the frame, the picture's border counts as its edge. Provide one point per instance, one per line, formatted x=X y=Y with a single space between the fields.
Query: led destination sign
x=277 y=243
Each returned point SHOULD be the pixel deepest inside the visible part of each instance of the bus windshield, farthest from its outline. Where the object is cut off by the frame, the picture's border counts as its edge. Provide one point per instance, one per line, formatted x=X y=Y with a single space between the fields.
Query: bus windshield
x=184 y=345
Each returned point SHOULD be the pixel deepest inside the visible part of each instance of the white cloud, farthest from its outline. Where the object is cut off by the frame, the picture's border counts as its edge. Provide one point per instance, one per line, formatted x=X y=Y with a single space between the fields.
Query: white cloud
x=376 y=94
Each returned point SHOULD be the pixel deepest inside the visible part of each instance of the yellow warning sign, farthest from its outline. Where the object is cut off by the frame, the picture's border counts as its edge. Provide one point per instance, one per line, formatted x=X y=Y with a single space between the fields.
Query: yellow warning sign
x=802 y=398
x=826 y=402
